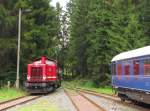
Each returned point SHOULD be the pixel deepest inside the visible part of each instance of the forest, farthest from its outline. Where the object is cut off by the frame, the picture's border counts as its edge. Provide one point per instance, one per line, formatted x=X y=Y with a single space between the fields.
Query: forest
x=84 y=38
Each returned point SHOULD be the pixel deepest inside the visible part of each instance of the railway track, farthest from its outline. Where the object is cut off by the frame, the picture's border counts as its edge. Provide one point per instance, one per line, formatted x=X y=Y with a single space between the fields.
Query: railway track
x=11 y=100
x=81 y=102
x=106 y=96
x=17 y=101
x=114 y=99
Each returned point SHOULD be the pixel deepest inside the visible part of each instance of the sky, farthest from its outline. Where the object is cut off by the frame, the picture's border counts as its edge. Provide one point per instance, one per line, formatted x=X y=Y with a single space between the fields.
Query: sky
x=62 y=3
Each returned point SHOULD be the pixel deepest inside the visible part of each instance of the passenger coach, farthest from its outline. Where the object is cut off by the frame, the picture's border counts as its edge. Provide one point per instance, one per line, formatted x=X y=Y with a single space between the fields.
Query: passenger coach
x=131 y=74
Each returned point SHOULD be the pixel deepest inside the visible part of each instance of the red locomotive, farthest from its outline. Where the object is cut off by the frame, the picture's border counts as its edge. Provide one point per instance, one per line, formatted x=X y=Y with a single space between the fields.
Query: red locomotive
x=43 y=76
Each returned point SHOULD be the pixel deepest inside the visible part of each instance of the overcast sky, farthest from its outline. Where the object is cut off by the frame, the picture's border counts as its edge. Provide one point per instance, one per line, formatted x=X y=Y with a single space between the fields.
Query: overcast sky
x=62 y=2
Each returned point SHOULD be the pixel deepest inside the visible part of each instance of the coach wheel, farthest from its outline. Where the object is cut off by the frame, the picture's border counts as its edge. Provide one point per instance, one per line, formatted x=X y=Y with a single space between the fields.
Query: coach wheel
x=123 y=99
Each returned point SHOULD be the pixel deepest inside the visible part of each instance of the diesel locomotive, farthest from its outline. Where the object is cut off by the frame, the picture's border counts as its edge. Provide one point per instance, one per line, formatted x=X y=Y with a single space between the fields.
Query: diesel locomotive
x=131 y=75
x=43 y=76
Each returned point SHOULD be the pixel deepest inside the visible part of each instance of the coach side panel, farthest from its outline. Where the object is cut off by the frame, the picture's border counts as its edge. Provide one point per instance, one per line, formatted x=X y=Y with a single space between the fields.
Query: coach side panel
x=132 y=74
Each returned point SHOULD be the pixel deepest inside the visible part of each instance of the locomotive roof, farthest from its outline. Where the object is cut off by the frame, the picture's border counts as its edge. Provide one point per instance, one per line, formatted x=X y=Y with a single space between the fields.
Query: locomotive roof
x=133 y=53
x=46 y=59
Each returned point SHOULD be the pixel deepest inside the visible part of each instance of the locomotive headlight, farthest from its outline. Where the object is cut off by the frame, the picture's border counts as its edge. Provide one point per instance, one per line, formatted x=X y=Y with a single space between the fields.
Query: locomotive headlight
x=28 y=77
x=44 y=77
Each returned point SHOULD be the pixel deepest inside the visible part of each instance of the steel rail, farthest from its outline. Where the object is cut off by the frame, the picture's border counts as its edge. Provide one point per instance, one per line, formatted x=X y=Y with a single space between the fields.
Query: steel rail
x=3 y=102
x=92 y=102
x=113 y=98
x=76 y=107
x=106 y=96
x=4 y=105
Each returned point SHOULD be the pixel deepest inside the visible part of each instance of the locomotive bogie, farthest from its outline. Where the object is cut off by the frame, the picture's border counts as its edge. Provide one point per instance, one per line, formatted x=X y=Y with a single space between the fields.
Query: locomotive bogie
x=41 y=87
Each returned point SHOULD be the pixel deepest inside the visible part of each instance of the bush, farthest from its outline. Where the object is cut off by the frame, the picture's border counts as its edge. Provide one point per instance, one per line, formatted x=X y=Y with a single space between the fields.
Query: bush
x=89 y=84
x=103 y=81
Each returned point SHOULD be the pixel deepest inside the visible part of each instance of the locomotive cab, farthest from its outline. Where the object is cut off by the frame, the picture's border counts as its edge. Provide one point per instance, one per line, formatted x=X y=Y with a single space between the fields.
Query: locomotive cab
x=42 y=76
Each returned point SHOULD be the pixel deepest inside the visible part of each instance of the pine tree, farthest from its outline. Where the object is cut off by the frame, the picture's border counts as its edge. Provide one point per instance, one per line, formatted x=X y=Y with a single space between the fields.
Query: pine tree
x=78 y=30
x=39 y=34
x=99 y=30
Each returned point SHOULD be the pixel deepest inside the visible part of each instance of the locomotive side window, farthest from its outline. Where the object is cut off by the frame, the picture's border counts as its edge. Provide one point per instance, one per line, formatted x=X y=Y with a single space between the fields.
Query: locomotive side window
x=147 y=67
x=119 y=69
x=127 y=68
x=136 y=67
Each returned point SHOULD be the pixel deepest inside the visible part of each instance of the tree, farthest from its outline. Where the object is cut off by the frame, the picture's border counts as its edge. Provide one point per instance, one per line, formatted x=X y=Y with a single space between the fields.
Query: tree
x=78 y=29
x=99 y=30
x=40 y=30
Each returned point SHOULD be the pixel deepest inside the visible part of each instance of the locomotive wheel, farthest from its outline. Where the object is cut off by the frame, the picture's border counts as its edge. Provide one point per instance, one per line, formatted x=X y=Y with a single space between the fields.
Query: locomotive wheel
x=122 y=97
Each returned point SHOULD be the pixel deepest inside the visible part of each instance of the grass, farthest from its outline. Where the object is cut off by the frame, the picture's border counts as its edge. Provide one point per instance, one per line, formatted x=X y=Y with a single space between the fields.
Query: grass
x=10 y=93
x=104 y=90
x=84 y=84
x=42 y=105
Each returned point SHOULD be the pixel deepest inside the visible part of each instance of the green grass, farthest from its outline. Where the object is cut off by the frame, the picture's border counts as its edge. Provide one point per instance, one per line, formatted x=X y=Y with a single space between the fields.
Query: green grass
x=85 y=84
x=41 y=105
x=104 y=90
x=10 y=93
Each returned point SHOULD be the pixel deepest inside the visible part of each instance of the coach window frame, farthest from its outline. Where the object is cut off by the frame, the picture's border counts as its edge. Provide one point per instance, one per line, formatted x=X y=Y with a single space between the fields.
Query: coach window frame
x=147 y=61
x=136 y=70
x=119 y=64
x=127 y=63
x=113 y=68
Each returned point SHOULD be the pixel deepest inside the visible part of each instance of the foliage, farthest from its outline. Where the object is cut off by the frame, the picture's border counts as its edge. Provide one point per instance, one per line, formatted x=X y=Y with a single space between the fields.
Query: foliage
x=39 y=34
x=100 y=29
x=88 y=85
x=10 y=93
x=84 y=38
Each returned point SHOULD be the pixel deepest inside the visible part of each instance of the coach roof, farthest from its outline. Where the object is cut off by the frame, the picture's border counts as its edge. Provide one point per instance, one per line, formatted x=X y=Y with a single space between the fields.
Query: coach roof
x=133 y=53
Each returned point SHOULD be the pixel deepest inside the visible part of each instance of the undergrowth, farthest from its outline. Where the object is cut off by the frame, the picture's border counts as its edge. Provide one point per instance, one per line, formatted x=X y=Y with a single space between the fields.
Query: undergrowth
x=89 y=85
x=10 y=93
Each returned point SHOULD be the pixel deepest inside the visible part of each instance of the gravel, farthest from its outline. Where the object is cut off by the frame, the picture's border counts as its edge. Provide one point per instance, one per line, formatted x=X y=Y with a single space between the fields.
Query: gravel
x=58 y=99
x=110 y=105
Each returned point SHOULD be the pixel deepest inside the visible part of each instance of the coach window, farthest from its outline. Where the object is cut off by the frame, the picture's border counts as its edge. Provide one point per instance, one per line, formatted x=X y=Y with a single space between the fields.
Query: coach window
x=147 y=67
x=136 y=67
x=119 y=69
x=127 y=68
x=113 y=68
